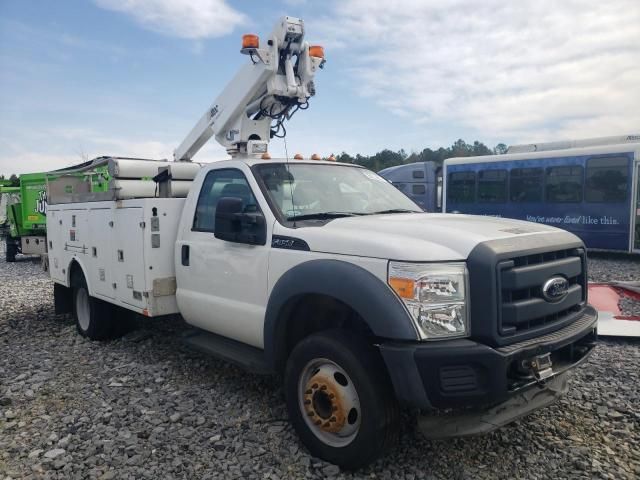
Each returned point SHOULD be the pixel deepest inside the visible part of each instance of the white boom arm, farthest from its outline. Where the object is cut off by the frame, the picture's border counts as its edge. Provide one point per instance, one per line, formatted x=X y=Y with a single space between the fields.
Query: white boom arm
x=277 y=82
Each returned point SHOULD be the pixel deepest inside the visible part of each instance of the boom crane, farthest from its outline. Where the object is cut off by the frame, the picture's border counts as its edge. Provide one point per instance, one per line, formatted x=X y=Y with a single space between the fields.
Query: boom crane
x=263 y=94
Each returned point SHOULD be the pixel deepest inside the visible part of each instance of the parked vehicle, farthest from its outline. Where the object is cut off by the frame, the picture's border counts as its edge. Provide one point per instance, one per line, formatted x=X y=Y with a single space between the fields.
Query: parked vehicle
x=589 y=187
x=324 y=274
x=420 y=181
x=25 y=208
x=26 y=216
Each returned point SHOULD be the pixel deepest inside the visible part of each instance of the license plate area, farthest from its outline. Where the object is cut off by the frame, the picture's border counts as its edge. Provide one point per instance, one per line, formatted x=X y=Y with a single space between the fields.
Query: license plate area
x=541 y=366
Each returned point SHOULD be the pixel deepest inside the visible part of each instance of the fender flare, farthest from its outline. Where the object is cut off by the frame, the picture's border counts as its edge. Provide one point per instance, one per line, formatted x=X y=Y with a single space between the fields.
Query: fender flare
x=354 y=286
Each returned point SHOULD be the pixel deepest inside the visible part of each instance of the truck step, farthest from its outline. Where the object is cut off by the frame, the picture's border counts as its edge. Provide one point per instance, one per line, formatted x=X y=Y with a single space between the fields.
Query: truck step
x=245 y=356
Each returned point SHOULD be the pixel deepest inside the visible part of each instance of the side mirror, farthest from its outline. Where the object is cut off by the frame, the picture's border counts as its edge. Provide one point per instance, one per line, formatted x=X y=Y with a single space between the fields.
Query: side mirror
x=233 y=225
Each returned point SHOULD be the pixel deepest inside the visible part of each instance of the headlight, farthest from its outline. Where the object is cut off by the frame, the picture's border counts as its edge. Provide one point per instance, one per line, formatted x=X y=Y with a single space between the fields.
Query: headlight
x=435 y=295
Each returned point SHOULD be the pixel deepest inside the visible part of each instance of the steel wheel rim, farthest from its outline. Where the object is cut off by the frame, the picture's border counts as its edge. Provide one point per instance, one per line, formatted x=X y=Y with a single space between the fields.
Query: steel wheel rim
x=83 y=311
x=329 y=402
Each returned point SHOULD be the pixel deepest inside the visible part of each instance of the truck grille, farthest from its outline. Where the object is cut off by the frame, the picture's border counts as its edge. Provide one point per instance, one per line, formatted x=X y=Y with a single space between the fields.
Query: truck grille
x=522 y=309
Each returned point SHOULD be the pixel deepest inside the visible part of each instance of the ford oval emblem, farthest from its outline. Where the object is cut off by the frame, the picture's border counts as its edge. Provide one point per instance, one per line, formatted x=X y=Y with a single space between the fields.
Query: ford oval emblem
x=555 y=289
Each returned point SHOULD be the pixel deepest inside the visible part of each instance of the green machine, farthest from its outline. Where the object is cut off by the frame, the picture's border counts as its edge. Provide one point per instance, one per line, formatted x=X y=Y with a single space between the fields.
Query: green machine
x=26 y=208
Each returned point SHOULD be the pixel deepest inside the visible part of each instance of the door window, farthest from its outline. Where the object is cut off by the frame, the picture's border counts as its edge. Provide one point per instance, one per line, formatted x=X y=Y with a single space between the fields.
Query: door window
x=218 y=184
x=418 y=189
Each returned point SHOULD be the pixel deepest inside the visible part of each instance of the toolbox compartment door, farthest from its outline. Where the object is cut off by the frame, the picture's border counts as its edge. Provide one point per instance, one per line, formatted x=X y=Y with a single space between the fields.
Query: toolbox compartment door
x=101 y=254
x=129 y=266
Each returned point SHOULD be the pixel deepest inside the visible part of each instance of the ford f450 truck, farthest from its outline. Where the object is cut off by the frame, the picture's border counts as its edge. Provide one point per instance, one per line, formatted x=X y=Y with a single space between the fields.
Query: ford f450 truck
x=325 y=275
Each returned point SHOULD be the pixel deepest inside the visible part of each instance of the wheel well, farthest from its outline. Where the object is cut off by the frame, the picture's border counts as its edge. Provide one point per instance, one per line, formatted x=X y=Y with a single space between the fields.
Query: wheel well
x=75 y=273
x=311 y=313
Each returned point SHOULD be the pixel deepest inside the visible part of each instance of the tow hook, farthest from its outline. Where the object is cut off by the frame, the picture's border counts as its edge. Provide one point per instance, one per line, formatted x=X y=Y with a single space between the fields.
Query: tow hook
x=540 y=367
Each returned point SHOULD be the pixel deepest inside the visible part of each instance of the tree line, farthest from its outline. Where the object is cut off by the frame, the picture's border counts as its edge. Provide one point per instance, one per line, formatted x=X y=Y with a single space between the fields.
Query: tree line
x=12 y=181
x=388 y=158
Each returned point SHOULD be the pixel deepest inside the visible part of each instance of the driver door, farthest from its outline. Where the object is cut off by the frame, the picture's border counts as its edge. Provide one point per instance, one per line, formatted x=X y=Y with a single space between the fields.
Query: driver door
x=222 y=284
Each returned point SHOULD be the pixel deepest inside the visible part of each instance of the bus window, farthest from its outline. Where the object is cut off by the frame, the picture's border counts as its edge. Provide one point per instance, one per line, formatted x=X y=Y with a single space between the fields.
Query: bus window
x=418 y=189
x=525 y=184
x=418 y=174
x=564 y=184
x=492 y=186
x=462 y=187
x=607 y=179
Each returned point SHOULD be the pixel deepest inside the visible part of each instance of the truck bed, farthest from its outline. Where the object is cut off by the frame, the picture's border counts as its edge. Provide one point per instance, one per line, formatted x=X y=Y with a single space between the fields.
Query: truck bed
x=125 y=248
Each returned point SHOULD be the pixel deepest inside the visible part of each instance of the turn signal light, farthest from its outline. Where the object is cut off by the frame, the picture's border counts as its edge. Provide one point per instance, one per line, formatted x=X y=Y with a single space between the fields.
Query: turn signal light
x=316 y=51
x=250 y=42
x=402 y=286
x=298 y=156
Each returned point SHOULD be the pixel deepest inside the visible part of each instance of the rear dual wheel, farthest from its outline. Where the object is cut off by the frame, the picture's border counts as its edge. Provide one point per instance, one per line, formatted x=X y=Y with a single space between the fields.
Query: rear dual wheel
x=97 y=319
x=11 y=249
x=340 y=399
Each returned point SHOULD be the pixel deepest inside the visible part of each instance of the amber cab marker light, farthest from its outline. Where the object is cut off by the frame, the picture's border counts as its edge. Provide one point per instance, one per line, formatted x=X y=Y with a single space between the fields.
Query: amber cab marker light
x=266 y=156
x=316 y=51
x=298 y=156
x=402 y=286
x=250 y=42
x=331 y=158
x=315 y=156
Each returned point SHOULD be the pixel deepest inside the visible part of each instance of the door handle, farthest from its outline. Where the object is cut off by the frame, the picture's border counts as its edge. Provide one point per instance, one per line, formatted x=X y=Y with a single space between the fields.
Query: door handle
x=185 y=255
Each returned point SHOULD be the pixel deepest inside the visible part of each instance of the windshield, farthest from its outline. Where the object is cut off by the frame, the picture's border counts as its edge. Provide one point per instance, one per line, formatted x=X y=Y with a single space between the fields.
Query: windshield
x=304 y=190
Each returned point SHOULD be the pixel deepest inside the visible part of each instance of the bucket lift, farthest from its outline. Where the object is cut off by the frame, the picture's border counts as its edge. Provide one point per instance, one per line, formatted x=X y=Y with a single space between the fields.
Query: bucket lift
x=263 y=94
x=250 y=111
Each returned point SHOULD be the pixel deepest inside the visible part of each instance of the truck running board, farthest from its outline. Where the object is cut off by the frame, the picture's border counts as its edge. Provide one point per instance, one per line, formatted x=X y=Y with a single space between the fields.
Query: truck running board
x=245 y=356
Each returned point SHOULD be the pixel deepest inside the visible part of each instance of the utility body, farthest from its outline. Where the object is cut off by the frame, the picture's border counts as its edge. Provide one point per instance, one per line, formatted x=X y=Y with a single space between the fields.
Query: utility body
x=327 y=276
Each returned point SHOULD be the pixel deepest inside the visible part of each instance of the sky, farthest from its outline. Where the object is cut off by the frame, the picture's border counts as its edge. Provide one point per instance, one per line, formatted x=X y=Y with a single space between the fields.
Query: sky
x=85 y=78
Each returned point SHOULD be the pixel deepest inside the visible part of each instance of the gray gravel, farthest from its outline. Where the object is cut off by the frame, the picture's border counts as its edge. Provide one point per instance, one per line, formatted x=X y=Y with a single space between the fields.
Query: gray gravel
x=146 y=407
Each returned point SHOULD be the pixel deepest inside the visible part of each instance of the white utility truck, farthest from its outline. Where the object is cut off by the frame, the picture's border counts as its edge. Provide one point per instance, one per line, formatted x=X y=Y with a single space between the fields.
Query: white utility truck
x=323 y=274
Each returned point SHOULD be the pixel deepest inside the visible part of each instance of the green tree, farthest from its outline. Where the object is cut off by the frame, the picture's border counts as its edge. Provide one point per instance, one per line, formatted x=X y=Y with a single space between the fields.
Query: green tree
x=388 y=158
x=500 y=149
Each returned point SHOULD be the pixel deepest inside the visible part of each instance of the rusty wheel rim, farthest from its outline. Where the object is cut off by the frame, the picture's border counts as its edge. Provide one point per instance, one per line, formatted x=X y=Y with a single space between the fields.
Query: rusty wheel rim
x=329 y=402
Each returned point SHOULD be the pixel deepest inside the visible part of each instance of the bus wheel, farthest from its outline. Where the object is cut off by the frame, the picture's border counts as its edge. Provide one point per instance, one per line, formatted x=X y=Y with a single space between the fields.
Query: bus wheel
x=94 y=318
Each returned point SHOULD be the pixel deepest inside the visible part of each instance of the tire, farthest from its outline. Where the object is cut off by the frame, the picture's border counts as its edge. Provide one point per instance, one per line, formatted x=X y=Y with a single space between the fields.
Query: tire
x=94 y=318
x=11 y=249
x=360 y=421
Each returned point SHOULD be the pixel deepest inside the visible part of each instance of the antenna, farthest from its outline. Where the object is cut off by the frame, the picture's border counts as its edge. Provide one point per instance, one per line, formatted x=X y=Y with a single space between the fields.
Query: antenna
x=293 y=206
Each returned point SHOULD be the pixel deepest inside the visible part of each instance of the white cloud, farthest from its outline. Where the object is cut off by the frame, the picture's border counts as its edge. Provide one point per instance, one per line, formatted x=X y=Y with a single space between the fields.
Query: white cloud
x=518 y=71
x=81 y=144
x=182 y=18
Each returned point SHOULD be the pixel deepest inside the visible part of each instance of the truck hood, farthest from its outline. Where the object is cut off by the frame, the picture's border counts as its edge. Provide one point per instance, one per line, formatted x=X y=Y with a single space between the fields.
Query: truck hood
x=413 y=236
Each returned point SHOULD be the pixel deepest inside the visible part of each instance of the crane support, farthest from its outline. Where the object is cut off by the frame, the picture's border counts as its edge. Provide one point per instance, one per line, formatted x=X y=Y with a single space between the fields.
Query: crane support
x=262 y=95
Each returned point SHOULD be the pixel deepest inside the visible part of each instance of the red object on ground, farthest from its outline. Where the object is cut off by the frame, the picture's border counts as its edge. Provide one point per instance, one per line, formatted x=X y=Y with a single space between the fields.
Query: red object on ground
x=606 y=298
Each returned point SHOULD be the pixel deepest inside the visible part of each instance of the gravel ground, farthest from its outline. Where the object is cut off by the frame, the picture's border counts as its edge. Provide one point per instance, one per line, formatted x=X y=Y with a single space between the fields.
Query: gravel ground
x=146 y=407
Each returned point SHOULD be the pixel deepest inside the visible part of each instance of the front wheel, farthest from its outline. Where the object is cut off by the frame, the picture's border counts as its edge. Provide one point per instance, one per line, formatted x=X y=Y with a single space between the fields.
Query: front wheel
x=339 y=399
